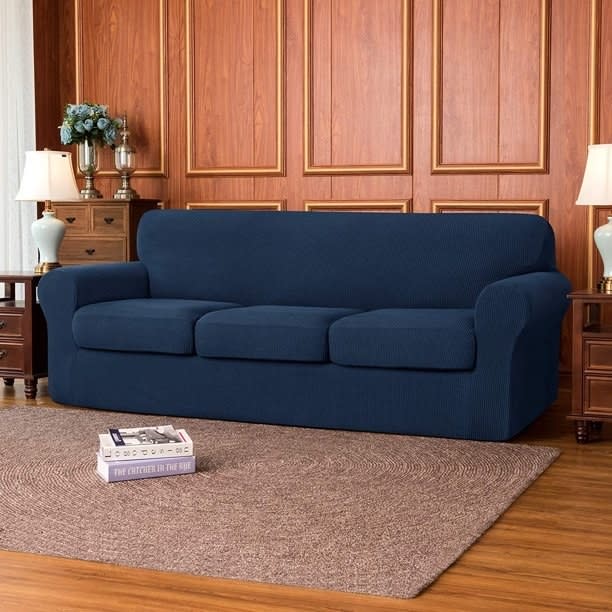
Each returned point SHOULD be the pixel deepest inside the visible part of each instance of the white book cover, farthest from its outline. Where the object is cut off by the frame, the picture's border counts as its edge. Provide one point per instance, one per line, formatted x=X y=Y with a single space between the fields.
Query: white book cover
x=117 y=471
x=145 y=443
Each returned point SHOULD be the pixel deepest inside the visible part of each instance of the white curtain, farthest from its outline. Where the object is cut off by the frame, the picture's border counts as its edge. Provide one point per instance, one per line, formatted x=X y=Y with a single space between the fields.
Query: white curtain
x=17 y=132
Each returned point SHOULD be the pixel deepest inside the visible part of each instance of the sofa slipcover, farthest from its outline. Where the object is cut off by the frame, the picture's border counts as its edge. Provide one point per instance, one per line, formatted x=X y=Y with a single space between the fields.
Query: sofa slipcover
x=151 y=325
x=424 y=324
x=283 y=333
x=421 y=338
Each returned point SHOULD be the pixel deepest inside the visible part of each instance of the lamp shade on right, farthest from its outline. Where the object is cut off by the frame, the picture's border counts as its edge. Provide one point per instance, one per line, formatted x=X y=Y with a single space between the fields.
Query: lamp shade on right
x=596 y=189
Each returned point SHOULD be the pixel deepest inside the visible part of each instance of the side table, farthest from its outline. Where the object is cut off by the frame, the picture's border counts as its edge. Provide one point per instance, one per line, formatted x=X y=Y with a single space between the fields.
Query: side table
x=23 y=332
x=591 y=363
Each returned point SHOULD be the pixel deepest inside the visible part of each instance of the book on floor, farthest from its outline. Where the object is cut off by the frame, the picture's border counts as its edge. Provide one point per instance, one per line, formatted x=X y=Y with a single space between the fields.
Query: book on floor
x=116 y=471
x=128 y=444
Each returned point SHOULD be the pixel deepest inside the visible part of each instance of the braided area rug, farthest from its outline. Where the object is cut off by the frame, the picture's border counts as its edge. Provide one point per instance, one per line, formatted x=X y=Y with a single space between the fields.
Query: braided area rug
x=361 y=512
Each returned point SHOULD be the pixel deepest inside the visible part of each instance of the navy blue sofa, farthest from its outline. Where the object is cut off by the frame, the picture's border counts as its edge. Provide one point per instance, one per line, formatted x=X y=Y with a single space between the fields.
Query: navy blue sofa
x=426 y=324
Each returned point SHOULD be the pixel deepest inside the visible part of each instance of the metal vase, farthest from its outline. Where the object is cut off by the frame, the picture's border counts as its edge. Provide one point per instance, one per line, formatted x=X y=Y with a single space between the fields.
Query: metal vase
x=88 y=165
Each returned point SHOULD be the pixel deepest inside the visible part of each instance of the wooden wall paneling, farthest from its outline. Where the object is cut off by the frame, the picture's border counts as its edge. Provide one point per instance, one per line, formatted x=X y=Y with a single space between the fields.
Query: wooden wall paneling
x=605 y=70
x=120 y=61
x=278 y=205
x=294 y=187
x=46 y=31
x=177 y=96
x=376 y=187
x=600 y=117
x=235 y=87
x=356 y=86
x=568 y=145
x=476 y=114
x=531 y=207
x=428 y=185
x=389 y=206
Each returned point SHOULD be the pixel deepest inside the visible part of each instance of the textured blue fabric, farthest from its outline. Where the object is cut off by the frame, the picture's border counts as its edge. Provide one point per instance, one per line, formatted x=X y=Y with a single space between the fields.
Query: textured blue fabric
x=439 y=339
x=501 y=266
x=63 y=290
x=142 y=325
x=283 y=333
x=338 y=259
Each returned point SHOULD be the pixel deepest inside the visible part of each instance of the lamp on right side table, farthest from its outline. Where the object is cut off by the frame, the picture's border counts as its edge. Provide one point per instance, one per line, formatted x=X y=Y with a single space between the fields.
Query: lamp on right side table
x=596 y=190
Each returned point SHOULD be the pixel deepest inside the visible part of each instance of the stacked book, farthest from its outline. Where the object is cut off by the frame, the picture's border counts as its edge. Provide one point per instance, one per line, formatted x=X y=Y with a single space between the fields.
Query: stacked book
x=144 y=452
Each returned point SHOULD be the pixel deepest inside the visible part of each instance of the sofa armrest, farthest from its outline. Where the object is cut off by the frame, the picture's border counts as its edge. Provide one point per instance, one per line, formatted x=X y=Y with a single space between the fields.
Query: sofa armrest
x=512 y=305
x=67 y=289
x=518 y=330
x=62 y=291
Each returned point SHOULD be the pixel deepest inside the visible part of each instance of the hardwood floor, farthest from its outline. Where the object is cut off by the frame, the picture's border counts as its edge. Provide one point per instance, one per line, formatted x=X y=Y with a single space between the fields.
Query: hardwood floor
x=552 y=550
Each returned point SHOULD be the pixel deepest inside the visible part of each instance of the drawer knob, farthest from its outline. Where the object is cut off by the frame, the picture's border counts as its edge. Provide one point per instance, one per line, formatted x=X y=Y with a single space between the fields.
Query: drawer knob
x=108 y=220
x=70 y=219
x=3 y=354
x=90 y=251
x=2 y=324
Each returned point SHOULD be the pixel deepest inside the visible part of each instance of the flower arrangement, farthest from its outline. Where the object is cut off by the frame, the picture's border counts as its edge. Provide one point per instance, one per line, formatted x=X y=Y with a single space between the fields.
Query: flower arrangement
x=88 y=122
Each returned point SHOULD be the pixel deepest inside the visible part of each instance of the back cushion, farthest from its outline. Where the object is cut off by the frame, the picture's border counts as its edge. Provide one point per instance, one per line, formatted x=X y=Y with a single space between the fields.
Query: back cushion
x=353 y=260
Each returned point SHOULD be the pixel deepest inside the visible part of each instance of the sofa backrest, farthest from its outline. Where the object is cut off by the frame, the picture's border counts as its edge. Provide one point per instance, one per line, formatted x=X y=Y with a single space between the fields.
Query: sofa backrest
x=360 y=260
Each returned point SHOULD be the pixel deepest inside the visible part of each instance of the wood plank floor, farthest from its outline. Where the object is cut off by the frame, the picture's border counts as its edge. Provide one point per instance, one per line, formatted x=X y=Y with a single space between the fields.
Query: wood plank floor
x=552 y=550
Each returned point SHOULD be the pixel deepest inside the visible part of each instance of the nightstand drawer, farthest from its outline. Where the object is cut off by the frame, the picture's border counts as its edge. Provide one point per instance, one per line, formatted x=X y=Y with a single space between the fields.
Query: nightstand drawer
x=598 y=355
x=11 y=356
x=76 y=217
x=11 y=324
x=597 y=396
x=108 y=219
x=92 y=250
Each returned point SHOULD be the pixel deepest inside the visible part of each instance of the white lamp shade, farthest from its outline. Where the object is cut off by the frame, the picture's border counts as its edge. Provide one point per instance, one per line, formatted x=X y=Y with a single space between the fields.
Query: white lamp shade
x=596 y=187
x=48 y=176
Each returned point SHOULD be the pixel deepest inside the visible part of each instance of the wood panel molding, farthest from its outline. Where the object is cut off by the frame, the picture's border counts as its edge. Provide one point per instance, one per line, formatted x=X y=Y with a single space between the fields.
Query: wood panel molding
x=540 y=165
x=595 y=16
x=120 y=96
x=391 y=206
x=404 y=103
x=194 y=167
x=533 y=207
x=271 y=205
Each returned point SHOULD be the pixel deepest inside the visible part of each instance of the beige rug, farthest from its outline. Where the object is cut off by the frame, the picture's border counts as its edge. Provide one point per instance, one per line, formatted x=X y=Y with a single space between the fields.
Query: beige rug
x=371 y=513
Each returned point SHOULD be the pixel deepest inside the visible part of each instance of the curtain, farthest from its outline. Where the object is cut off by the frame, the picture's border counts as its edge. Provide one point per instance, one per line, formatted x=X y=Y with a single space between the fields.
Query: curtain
x=17 y=132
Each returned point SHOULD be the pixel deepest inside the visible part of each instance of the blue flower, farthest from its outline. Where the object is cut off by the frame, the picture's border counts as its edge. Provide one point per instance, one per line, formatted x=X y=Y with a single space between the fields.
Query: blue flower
x=87 y=121
x=110 y=134
x=65 y=134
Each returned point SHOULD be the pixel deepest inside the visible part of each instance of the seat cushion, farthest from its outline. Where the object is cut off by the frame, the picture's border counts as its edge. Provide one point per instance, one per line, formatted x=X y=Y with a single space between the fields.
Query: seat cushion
x=282 y=333
x=141 y=325
x=419 y=338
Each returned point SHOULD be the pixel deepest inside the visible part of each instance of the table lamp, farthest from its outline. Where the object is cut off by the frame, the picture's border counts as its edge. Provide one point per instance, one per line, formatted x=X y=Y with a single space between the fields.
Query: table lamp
x=596 y=190
x=47 y=176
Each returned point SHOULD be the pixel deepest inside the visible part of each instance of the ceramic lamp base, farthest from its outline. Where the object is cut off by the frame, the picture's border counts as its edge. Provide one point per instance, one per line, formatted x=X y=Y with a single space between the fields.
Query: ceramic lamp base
x=48 y=232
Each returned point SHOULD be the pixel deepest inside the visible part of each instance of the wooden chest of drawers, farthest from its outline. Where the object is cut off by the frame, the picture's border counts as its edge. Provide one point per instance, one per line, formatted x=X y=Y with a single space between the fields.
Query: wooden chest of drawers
x=100 y=231
x=591 y=362
x=23 y=332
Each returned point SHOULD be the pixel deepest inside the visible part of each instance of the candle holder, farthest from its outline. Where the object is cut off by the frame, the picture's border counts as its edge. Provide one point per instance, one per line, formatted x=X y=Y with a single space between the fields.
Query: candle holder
x=125 y=164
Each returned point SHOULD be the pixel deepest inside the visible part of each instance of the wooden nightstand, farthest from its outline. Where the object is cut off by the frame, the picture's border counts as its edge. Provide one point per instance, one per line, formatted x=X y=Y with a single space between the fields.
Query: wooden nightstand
x=591 y=362
x=100 y=231
x=23 y=332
